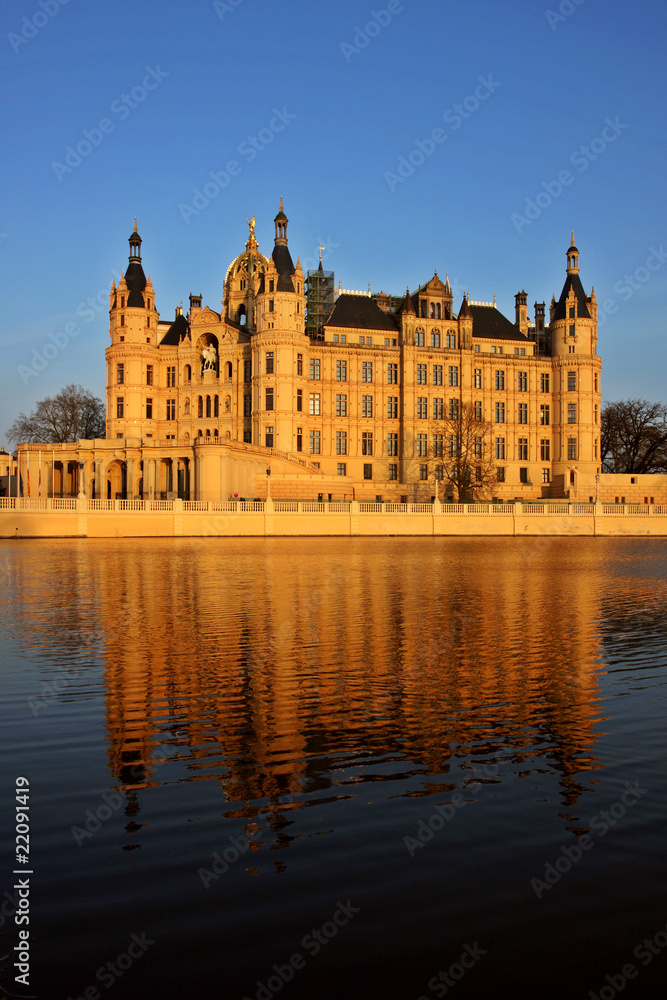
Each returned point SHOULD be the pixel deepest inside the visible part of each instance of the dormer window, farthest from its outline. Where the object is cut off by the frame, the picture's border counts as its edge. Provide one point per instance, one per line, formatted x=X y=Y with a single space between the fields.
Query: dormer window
x=271 y=285
x=122 y=301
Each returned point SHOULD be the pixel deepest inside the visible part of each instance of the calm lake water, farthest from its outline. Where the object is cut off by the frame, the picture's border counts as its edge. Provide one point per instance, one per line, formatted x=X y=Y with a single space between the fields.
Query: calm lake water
x=338 y=768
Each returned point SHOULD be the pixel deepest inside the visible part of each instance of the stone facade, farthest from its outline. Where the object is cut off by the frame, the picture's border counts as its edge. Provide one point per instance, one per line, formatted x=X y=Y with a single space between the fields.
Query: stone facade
x=364 y=407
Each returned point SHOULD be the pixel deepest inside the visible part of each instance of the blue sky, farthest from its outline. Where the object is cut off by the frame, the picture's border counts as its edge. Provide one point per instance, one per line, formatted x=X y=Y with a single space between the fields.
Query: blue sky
x=512 y=125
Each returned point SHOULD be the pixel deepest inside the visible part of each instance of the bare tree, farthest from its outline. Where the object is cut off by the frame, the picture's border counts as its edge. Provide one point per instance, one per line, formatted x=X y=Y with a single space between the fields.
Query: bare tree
x=72 y=414
x=467 y=465
x=634 y=436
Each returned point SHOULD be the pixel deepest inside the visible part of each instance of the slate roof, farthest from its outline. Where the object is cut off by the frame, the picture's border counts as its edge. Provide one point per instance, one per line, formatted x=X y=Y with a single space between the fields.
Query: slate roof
x=176 y=332
x=135 y=280
x=361 y=312
x=488 y=322
x=282 y=259
x=572 y=281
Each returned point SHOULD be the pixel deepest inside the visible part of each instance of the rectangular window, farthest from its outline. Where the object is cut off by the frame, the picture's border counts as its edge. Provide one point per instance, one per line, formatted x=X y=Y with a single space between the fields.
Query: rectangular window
x=149 y=374
x=437 y=375
x=523 y=475
x=544 y=414
x=500 y=413
x=423 y=472
x=523 y=449
x=269 y=399
x=367 y=443
x=438 y=408
x=367 y=371
x=422 y=407
x=247 y=437
x=341 y=371
x=595 y=383
x=392 y=444
x=171 y=376
x=171 y=409
x=247 y=370
x=437 y=445
x=523 y=413
x=149 y=408
x=299 y=400
x=246 y=406
x=544 y=382
x=571 y=448
x=341 y=442
x=392 y=374
x=341 y=469
x=453 y=374
x=393 y=472
x=421 y=374
x=268 y=438
x=314 y=409
x=314 y=369
x=451 y=341
x=299 y=439
x=120 y=373
x=477 y=447
x=500 y=447
x=368 y=471
x=500 y=379
x=435 y=338
x=452 y=445
x=419 y=337
x=392 y=407
x=545 y=476
x=572 y=329
x=522 y=381
x=120 y=406
x=341 y=405
x=571 y=413
x=314 y=442
x=500 y=474
x=478 y=410
x=271 y=305
x=299 y=364
x=453 y=409
x=269 y=362
x=367 y=406
x=545 y=450
x=422 y=445
x=571 y=381
x=478 y=378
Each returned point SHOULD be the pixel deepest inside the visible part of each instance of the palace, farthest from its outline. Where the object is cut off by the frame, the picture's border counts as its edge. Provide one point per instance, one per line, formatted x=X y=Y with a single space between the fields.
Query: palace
x=364 y=399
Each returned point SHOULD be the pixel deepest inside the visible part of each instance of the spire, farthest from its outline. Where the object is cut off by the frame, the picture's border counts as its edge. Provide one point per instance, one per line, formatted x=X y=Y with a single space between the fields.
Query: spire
x=408 y=307
x=281 y=221
x=135 y=244
x=281 y=256
x=572 y=258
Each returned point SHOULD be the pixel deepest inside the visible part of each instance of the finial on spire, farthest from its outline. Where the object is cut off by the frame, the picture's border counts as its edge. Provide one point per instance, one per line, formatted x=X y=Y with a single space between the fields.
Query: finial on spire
x=281 y=206
x=135 y=224
x=572 y=243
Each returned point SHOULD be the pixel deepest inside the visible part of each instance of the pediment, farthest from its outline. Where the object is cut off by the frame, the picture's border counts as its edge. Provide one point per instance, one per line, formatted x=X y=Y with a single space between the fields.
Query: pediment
x=205 y=318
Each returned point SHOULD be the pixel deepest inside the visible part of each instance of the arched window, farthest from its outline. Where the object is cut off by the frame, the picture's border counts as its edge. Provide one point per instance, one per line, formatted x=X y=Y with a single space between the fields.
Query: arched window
x=188 y=373
x=215 y=433
x=199 y=433
x=228 y=369
x=200 y=407
x=437 y=311
x=208 y=406
x=208 y=433
x=216 y=409
x=432 y=316
x=242 y=316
